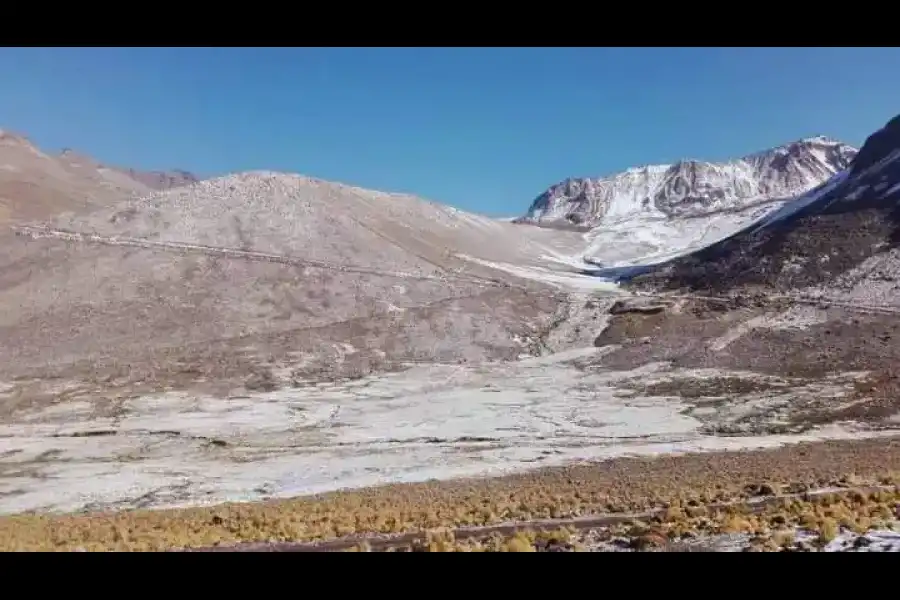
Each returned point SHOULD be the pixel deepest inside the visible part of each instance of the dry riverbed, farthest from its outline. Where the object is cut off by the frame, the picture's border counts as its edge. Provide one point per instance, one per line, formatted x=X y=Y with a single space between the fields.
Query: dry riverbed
x=174 y=448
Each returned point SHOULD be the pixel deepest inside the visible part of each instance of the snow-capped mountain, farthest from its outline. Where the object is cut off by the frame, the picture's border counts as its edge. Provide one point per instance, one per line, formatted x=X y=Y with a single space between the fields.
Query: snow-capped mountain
x=650 y=214
x=846 y=231
x=691 y=188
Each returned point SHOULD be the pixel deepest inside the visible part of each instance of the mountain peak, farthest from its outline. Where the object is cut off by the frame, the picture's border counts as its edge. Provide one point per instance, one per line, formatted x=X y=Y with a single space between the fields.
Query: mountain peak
x=843 y=235
x=878 y=146
x=692 y=187
x=11 y=139
x=821 y=139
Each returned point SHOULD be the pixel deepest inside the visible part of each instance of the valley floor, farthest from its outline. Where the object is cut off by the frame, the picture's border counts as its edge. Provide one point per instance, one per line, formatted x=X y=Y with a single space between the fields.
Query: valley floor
x=429 y=421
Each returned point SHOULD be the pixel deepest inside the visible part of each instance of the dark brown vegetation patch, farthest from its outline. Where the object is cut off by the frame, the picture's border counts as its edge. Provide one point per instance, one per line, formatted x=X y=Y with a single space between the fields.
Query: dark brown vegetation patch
x=707 y=387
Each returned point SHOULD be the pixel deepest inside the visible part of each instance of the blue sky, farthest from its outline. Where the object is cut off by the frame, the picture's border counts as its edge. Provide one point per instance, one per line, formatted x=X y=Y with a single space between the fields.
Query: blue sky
x=484 y=129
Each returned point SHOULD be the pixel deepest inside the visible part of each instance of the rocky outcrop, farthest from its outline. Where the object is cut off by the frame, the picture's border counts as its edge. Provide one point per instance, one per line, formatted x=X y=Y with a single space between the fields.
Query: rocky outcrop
x=645 y=306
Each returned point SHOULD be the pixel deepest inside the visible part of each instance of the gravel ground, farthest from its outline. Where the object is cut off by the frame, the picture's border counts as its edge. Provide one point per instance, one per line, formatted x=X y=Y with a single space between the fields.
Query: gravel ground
x=770 y=345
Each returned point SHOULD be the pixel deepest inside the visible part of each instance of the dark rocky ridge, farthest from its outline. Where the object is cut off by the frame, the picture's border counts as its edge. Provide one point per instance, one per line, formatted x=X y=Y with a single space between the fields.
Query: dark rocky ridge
x=155 y=180
x=162 y=180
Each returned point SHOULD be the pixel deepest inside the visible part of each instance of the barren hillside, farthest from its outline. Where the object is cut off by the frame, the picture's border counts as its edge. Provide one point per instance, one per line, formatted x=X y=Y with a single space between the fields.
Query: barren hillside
x=223 y=276
x=38 y=185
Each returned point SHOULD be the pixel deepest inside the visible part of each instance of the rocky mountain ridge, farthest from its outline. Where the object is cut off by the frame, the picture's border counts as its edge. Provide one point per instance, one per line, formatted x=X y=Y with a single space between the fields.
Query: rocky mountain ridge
x=153 y=180
x=162 y=180
x=830 y=232
x=692 y=188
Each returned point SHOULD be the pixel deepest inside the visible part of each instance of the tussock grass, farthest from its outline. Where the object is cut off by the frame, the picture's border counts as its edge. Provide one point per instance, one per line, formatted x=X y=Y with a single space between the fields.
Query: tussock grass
x=771 y=530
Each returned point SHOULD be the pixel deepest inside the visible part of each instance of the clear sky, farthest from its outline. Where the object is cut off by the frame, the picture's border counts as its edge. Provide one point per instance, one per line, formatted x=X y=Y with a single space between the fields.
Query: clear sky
x=484 y=129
